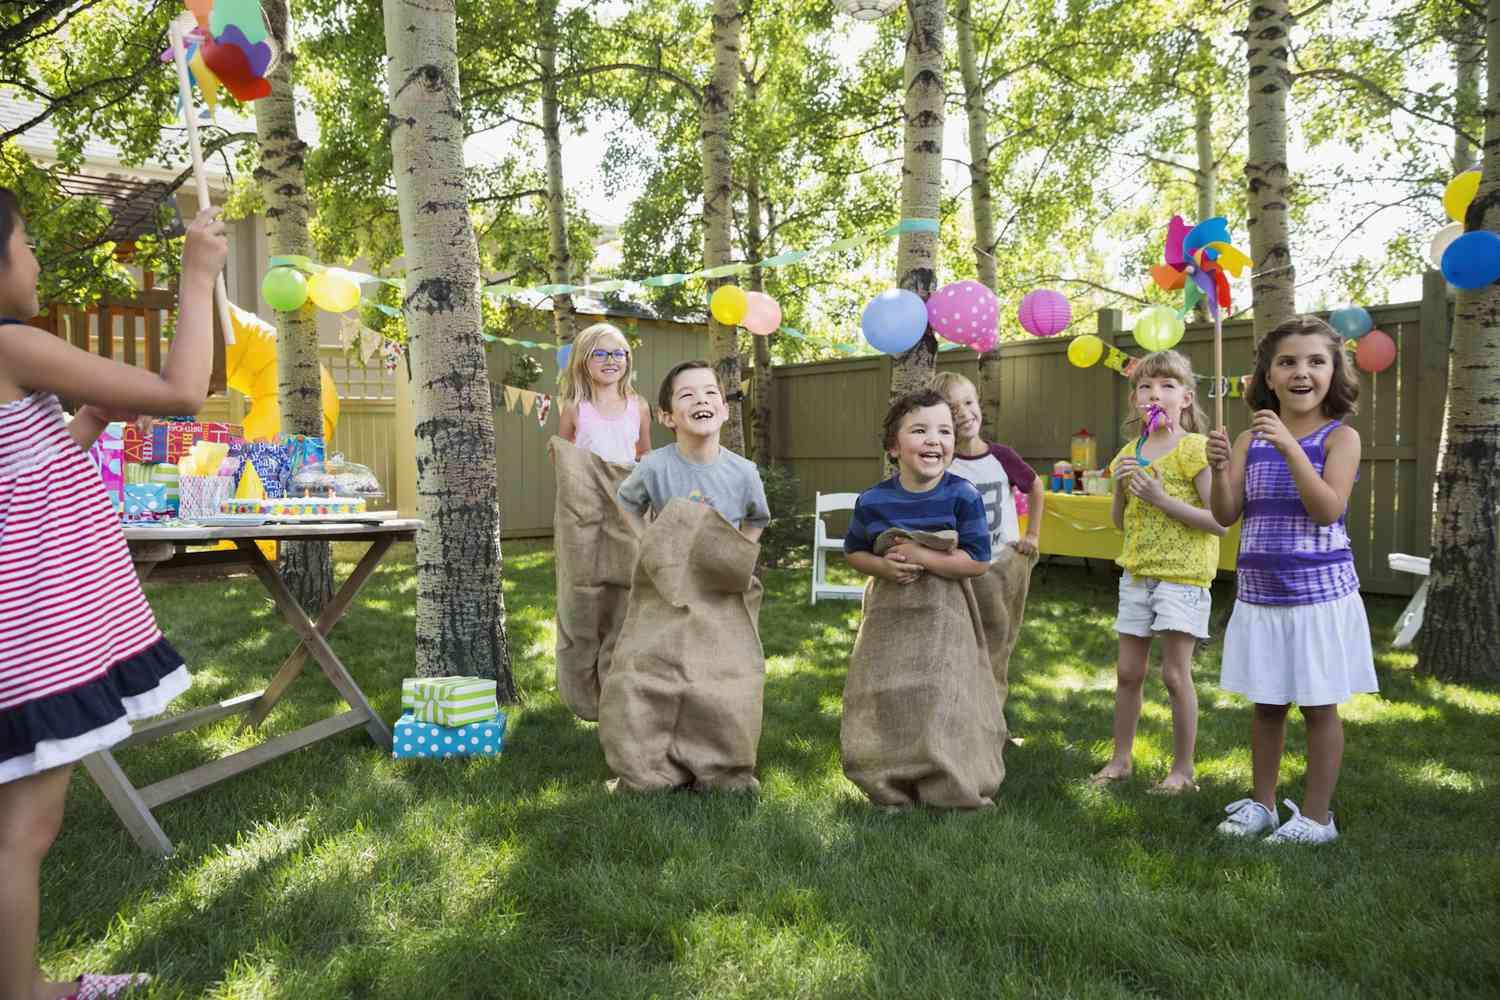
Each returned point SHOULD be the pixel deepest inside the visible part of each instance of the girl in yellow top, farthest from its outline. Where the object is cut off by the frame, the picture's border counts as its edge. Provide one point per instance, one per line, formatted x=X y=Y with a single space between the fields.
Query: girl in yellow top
x=1169 y=557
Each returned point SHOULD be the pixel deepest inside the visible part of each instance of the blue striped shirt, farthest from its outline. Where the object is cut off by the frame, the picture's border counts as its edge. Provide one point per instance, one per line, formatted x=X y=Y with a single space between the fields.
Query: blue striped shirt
x=952 y=505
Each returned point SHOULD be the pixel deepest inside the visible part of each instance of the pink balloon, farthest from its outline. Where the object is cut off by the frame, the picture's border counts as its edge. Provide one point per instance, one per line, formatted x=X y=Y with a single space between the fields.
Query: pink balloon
x=1376 y=351
x=762 y=314
x=963 y=311
x=1045 y=312
x=988 y=343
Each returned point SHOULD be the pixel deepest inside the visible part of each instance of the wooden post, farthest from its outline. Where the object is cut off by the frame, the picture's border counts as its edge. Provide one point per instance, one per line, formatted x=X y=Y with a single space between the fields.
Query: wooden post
x=1430 y=389
x=106 y=342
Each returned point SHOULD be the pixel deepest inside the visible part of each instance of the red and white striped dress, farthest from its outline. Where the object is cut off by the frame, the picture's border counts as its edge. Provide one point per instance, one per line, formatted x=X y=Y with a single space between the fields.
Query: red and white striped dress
x=80 y=653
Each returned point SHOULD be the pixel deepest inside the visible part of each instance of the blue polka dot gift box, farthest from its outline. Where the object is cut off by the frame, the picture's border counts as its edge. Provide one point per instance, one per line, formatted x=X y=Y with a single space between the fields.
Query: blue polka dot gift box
x=412 y=739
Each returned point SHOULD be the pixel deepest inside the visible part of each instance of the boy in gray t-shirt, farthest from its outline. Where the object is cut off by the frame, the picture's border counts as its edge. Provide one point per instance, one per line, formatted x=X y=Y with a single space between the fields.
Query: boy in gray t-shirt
x=696 y=468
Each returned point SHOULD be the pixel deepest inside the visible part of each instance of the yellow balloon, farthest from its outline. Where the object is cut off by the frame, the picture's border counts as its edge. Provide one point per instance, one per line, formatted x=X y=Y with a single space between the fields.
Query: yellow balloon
x=1085 y=350
x=729 y=304
x=1461 y=190
x=333 y=290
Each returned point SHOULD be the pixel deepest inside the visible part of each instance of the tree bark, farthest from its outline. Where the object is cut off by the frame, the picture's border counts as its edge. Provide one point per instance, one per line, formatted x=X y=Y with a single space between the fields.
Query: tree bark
x=307 y=567
x=762 y=379
x=460 y=607
x=980 y=199
x=559 y=255
x=921 y=178
x=717 y=118
x=1468 y=56
x=1206 y=178
x=1273 y=283
x=1461 y=626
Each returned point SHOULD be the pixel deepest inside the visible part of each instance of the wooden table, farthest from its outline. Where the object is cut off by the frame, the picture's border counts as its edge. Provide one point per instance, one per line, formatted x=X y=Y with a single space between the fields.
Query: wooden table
x=151 y=548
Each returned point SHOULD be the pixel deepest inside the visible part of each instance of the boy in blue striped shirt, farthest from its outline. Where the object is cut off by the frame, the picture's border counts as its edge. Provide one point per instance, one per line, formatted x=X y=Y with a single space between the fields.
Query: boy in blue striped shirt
x=922 y=496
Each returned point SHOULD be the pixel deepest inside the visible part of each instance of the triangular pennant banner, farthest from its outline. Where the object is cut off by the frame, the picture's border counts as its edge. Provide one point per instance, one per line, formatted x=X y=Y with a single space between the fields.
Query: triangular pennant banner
x=512 y=396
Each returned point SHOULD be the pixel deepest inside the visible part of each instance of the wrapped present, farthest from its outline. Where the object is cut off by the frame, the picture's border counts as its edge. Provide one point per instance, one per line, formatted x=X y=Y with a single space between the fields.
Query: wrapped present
x=144 y=448
x=165 y=474
x=146 y=502
x=169 y=440
x=449 y=701
x=272 y=463
x=412 y=739
x=108 y=456
x=302 y=449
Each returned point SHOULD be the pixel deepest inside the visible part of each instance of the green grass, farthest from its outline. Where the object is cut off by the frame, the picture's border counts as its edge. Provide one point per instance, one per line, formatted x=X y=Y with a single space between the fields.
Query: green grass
x=337 y=872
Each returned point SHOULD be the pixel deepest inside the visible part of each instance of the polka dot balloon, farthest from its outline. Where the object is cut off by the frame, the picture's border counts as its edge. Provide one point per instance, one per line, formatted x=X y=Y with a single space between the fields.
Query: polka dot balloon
x=964 y=312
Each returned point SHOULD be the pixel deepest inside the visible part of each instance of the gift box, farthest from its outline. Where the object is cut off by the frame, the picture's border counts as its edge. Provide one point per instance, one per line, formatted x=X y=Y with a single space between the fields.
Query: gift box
x=165 y=474
x=302 y=449
x=169 y=440
x=449 y=701
x=146 y=502
x=271 y=462
x=412 y=739
x=108 y=456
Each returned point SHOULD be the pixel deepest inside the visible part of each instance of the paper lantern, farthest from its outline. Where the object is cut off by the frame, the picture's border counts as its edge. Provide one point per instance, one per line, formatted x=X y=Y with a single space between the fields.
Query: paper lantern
x=284 y=289
x=868 y=10
x=1045 y=312
x=1085 y=350
x=333 y=290
x=762 y=314
x=964 y=312
x=1352 y=322
x=1442 y=240
x=1376 y=352
x=1158 y=328
x=1459 y=193
x=1472 y=260
x=894 y=321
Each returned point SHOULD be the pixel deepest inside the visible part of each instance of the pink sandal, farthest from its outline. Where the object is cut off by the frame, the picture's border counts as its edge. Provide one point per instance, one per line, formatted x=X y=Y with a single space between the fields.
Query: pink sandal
x=95 y=987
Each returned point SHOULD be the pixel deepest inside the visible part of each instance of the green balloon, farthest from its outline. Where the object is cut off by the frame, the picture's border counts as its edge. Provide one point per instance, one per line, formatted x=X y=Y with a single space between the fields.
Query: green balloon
x=284 y=289
x=1158 y=328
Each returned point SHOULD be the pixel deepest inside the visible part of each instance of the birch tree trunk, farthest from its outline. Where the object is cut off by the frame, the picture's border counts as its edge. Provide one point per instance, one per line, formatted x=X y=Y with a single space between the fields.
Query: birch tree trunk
x=1273 y=283
x=921 y=178
x=1467 y=58
x=980 y=199
x=460 y=607
x=762 y=379
x=559 y=254
x=1206 y=178
x=1461 y=626
x=307 y=567
x=717 y=118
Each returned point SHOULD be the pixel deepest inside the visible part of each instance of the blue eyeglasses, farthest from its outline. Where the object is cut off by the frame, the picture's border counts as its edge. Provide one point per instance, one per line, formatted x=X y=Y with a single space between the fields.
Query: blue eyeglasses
x=619 y=354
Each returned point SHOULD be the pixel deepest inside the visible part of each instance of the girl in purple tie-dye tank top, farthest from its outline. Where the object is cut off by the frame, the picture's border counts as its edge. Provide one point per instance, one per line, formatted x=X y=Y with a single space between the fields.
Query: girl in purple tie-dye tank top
x=1298 y=632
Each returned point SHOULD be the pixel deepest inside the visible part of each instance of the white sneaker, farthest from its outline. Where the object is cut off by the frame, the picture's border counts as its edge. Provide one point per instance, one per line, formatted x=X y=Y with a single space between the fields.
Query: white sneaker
x=1248 y=819
x=1301 y=830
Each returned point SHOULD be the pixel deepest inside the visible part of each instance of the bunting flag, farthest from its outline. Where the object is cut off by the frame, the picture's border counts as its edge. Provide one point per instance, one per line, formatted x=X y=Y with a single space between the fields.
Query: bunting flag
x=543 y=407
x=1234 y=388
x=512 y=396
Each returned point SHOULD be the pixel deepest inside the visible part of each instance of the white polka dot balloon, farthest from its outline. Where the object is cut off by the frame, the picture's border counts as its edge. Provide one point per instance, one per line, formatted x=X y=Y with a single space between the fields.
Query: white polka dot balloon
x=964 y=312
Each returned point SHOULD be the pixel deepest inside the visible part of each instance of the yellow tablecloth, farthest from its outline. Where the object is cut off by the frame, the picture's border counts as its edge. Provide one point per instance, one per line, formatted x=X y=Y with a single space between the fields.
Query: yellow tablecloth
x=1075 y=524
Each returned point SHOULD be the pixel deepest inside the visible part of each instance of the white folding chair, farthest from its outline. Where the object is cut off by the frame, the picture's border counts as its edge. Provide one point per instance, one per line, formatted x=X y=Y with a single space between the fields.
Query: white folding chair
x=824 y=503
x=1411 y=619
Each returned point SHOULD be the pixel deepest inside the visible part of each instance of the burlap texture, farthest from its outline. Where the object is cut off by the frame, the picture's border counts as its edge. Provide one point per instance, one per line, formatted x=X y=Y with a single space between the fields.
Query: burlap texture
x=596 y=553
x=681 y=704
x=922 y=722
x=1001 y=597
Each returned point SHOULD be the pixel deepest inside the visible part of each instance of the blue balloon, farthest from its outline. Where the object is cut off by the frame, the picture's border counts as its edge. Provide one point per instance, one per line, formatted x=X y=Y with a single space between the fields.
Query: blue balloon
x=1352 y=322
x=563 y=354
x=894 y=320
x=1215 y=230
x=1472 y=260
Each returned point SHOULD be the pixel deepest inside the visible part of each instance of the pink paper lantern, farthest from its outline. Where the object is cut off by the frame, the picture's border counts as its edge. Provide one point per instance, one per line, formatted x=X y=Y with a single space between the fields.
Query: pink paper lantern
x=964 y=312
x=1376 y=352
x=762 y=314
x=1045 y=312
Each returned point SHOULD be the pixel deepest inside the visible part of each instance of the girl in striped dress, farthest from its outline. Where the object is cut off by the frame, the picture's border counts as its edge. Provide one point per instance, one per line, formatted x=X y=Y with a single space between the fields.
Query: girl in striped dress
x=80 y=654
x=1298 y=632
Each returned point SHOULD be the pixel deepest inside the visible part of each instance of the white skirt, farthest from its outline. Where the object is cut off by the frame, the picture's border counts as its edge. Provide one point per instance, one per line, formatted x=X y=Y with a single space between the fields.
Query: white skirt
x=1310 y=654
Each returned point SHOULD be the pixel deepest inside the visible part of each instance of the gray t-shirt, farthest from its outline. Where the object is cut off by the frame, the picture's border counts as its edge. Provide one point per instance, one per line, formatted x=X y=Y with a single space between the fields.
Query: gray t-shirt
x=731 y=485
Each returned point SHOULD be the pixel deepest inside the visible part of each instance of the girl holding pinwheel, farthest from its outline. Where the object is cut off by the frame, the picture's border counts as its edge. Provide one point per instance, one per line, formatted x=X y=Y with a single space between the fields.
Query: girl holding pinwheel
x=1169 y=557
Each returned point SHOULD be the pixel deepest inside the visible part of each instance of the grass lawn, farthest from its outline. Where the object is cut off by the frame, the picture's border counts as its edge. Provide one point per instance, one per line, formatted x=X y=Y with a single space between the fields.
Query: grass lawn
x=337 y=872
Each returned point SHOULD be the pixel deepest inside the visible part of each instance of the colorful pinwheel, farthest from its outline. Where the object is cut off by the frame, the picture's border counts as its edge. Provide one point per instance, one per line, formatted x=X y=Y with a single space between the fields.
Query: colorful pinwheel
x=229 y=47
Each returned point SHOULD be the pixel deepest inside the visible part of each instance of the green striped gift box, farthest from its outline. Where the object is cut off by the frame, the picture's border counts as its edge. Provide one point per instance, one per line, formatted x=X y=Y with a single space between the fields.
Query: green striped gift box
x=449 y=701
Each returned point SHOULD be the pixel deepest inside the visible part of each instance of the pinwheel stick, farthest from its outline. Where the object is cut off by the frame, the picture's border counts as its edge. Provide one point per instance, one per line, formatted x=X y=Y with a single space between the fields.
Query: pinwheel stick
x=1218 y=368
x=190 y=119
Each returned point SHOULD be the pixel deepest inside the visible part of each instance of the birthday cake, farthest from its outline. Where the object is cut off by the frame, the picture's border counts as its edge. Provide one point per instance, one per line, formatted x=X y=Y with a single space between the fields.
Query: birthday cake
x=294 y=506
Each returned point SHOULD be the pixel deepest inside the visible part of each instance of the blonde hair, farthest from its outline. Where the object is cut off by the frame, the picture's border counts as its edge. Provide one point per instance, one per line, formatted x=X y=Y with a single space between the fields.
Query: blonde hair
x=1168 y=364
x=946 y=382
x=575 y=384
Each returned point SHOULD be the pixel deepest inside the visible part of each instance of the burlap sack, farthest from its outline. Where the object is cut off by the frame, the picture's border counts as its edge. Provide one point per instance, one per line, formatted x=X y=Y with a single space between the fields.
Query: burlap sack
x=681 y=704
x=921 y=717
x=596 y=552
x=1001 y=597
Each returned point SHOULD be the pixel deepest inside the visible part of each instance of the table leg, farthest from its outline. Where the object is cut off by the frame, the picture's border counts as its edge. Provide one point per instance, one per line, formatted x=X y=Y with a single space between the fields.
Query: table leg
x=314 y=641
x=292 y=668
x=1410 y=622
x=127 y=803
x=148 y=556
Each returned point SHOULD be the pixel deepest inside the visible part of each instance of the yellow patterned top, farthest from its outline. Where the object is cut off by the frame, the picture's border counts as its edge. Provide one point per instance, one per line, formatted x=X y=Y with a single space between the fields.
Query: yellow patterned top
x=1160 y=547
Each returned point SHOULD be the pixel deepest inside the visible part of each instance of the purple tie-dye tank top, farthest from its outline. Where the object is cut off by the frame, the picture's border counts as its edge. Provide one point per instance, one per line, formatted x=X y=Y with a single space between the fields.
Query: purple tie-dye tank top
x=1285 y=556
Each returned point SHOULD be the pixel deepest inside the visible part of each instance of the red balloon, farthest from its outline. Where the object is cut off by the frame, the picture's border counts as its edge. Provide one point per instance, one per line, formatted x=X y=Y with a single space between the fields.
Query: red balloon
x=1376 y=352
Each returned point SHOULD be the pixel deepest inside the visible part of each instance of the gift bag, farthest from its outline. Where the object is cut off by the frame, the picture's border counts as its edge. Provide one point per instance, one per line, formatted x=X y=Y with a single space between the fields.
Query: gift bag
x=922 y=722
x=1001 y=596
x=681 y=703
x=200 y=496
x=108 y=455
x=596 y=553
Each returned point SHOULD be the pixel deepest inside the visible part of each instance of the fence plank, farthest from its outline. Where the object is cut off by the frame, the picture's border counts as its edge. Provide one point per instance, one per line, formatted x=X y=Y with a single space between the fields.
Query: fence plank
x=106 y=326
x=127 y=329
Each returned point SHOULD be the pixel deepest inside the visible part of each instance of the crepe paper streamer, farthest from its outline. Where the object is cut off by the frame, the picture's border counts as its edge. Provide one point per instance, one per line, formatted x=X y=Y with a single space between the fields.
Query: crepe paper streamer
x=1044 y=312
x=1460 y=193
x=1473 y=260
x=1376 y=352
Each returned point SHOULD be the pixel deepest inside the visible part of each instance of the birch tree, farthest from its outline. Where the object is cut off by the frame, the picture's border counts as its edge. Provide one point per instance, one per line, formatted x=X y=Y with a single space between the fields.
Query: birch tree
x=717 y=118
x=1273 y=282
x=559 y=255
x=460 y=605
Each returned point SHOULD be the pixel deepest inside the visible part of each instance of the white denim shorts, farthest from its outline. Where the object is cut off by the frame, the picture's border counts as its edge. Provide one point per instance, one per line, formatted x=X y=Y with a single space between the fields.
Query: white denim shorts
x=1151 y=606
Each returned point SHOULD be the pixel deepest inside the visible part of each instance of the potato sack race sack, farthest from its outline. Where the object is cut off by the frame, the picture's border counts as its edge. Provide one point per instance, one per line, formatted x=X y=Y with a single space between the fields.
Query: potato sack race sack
x=681 y=704
x=922 y=721
x=596 y=553
x=1001 y=597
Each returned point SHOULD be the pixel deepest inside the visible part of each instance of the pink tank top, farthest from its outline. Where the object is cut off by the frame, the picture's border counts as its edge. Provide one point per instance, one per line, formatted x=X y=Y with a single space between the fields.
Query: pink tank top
x=612 y=439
